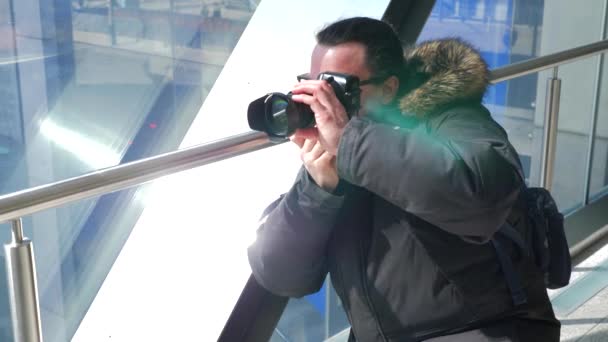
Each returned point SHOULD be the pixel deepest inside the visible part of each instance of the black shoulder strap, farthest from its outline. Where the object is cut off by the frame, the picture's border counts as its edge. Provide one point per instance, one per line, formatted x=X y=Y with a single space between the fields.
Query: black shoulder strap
x=511 y=276
x=513 y=235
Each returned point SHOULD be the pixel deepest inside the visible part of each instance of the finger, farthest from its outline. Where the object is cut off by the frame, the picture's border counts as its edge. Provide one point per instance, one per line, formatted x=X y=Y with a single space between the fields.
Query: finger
x=307 y=133
x=326 y=96
x=327 y=157
x=323 y=97
x=320 y=111
x=309 y=87
x=309 y=144
x=303 y=98
x=312 y=155
x=316 y=151
x=297 y=140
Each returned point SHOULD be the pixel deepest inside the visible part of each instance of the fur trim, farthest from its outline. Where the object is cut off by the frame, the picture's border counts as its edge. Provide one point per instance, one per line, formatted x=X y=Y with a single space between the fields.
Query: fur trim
x=443 y=71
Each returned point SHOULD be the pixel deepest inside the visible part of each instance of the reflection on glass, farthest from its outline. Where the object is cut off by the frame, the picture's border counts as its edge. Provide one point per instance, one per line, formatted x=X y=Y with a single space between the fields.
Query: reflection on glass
x=87 y=84
x=315 y=317
x=599 y=161
x=90 y=84
x=510 y=31
x=505 y=32
x=319 y=316
x=87 y=150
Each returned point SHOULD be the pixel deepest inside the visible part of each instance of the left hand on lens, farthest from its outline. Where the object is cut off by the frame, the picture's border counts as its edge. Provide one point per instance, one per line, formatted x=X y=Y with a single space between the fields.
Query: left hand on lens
x=330 y=115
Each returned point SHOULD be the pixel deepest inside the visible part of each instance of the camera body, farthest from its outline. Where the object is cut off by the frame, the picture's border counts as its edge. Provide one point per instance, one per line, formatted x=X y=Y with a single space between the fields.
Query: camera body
x=347 y=90
x=279 y=116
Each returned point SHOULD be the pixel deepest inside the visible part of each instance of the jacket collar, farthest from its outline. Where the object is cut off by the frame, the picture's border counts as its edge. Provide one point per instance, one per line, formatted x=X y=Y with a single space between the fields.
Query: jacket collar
x=442 y=73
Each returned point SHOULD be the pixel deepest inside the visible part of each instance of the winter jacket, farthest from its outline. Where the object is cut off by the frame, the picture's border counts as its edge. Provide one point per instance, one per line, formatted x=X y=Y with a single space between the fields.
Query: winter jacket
x=405 y=240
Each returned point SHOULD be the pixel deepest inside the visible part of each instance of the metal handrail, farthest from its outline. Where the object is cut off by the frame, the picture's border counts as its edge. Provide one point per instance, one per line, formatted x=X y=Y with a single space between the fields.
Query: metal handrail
x=547 y=62
x=29 y=201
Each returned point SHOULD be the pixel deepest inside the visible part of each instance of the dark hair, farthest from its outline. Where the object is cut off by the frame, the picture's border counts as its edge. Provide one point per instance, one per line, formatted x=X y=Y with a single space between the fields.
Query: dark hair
x=384 y=51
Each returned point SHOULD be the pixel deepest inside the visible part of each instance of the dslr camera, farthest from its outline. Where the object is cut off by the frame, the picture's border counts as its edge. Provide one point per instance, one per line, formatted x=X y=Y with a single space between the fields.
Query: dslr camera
x=279 y=116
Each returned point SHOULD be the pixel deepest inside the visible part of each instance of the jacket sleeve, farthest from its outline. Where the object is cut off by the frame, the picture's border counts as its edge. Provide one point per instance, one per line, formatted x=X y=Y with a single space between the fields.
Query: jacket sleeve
x=462 y=176
x=288 y=257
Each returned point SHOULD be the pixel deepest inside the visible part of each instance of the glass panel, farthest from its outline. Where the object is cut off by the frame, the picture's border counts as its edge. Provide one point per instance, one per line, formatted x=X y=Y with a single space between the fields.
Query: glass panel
x=509 y=31
x=505 y=32
x=318 y=316
x=577 y=94
x=599 y=170
x=186 y=256
x=184 y=264
x=87 y=85
x=525 y=129
x=315 y=317
x=576 y=106
x=90 y=84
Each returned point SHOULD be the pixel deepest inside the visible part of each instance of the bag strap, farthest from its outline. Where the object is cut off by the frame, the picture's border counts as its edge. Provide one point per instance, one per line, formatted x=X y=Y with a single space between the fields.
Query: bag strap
x=511 y=276
x=513 y=235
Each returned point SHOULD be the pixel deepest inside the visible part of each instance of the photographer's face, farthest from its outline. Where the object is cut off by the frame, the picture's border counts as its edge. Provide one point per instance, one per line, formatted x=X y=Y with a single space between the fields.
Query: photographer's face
x=349 y=58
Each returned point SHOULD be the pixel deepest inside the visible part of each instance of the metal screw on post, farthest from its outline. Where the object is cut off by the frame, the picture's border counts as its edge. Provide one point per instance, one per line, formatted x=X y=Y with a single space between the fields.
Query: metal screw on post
x=23 y=289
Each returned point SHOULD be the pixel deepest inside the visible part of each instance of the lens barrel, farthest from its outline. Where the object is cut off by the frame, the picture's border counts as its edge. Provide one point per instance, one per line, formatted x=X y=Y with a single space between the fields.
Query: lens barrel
x=278 y=115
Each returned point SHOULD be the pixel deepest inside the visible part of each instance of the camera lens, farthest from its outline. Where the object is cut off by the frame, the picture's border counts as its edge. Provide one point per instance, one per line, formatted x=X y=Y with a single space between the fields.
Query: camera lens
x=277 y=115
x=284 y=116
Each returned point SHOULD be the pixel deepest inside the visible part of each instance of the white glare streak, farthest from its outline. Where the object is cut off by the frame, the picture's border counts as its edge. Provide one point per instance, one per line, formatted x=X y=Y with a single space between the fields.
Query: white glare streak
x=84 y=148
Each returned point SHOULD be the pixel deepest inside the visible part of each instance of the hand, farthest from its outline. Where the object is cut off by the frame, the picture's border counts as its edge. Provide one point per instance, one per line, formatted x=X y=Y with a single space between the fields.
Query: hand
x=330 y=115
x=321 y=165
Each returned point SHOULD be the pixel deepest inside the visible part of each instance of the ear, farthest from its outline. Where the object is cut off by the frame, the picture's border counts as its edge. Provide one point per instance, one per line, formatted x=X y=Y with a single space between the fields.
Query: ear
x=389 y=89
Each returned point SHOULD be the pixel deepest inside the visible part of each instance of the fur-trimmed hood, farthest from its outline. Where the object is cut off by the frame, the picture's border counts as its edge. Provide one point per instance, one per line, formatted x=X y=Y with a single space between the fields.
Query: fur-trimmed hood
x=442 y=72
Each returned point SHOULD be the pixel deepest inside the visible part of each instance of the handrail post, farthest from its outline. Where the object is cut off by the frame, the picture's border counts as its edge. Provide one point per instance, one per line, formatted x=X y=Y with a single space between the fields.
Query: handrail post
x=554 y=85
x=23 y=289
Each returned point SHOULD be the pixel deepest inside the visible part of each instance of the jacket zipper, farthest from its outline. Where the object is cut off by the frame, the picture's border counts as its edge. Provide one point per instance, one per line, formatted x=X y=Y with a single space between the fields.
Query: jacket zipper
x=346 y=309
x=340 y=287
x=366 y=291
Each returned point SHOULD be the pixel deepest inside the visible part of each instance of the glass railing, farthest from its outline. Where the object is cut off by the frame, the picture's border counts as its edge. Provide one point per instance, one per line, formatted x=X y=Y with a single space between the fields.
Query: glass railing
x=88 y=85
x=153 y=253
x=92 y=84
x=511 y=31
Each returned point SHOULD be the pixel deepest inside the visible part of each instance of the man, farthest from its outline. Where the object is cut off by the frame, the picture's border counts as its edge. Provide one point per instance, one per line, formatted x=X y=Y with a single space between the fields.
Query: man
x=398 y=203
